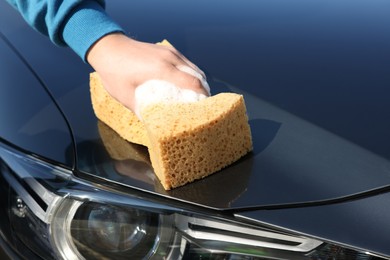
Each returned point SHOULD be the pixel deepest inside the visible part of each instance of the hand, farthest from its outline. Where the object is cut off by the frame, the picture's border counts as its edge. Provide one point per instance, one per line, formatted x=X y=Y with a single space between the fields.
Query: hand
x=123 y=64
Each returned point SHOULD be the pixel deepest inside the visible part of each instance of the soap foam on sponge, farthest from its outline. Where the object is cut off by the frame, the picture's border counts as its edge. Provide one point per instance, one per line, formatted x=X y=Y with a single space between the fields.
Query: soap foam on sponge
x=158 y=91
x=161 y=91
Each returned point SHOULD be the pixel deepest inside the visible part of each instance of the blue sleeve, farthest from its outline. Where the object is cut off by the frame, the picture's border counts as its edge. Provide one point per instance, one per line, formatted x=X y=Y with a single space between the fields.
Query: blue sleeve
x=74 y=23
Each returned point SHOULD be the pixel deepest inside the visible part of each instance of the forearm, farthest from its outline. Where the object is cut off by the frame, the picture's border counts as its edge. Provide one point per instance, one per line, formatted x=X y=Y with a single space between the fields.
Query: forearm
x=74 y=23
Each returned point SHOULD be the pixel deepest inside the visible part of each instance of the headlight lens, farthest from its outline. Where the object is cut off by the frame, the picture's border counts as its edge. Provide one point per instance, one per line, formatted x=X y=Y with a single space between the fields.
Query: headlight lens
x=73 y=219
x=110 y=230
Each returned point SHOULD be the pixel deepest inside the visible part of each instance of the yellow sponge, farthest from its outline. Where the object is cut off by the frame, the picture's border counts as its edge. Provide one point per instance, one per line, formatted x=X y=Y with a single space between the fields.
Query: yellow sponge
x=186 y=141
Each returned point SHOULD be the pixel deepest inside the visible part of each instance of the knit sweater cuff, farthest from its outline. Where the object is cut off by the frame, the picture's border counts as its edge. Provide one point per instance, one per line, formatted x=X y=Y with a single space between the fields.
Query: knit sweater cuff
x=86 y=24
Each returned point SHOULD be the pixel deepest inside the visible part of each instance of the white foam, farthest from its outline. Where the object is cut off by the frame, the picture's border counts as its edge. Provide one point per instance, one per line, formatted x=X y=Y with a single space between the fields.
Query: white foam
x=161 y=91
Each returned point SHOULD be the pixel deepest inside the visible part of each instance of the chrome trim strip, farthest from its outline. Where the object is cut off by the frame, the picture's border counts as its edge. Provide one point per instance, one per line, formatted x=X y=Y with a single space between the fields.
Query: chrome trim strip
x=264 y=238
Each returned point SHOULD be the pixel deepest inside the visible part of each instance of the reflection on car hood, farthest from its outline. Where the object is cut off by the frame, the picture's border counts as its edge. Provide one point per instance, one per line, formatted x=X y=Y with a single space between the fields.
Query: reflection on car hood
x=293 y=161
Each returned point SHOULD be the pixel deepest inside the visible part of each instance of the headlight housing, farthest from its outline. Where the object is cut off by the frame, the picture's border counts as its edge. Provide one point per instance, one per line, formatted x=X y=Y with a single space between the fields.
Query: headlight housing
x=103 y=230
x=70 y=218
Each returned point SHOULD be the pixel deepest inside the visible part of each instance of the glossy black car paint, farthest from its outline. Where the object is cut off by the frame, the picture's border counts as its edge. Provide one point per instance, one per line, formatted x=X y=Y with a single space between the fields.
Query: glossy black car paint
x=30 y=119
x=315 y=79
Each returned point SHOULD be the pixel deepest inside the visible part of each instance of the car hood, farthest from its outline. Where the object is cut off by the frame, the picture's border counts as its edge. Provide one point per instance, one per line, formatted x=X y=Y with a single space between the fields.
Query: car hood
x=293 y=161
x=303 y=151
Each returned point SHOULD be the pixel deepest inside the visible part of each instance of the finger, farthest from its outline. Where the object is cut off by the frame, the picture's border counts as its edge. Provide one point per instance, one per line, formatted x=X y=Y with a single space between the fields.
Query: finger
x=197 y=75
x=192 y=65
x=185 y=80
x=182 y=59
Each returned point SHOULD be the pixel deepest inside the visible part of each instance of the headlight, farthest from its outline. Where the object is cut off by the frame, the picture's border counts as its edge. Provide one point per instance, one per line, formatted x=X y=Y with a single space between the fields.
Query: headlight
x=55 y=215
x=102 y=230
x=113 y=229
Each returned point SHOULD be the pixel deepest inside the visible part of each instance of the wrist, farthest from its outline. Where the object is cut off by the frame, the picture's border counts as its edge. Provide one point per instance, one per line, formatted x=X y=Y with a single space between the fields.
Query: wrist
x=87 y=24
x=103 y=48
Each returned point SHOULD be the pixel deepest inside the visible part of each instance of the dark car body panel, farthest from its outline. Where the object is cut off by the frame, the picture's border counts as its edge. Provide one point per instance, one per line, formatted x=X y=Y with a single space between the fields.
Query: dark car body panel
x=315 y=78
x=30 y=118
